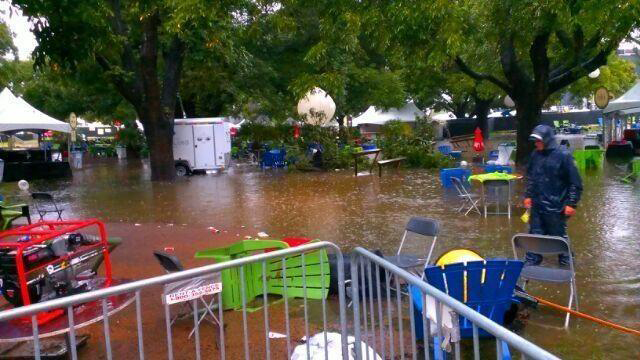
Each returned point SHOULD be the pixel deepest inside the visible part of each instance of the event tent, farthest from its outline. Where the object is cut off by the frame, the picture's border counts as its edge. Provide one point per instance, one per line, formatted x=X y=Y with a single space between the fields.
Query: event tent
x=374 y=116
x=16 y=115
x=628 y=103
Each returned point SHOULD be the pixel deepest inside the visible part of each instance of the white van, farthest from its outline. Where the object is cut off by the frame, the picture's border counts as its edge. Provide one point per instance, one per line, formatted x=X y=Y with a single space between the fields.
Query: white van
x=201 y=144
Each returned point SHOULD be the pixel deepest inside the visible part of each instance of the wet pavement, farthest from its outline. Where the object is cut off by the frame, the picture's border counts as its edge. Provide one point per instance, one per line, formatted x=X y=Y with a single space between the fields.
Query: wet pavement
x=365 y=211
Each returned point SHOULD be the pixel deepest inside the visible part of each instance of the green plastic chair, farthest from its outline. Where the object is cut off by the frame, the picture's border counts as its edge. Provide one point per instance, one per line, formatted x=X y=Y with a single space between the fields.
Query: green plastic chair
x=316 y=272
x=589 y=158
x=9 y=213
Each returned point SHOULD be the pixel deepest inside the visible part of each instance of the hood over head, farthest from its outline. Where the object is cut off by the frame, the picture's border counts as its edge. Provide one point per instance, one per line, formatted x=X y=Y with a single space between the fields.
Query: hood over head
x=546 y=134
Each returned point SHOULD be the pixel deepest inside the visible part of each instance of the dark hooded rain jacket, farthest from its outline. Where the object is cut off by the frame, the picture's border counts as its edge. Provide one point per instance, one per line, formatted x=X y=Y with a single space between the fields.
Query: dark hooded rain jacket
x=553 y=180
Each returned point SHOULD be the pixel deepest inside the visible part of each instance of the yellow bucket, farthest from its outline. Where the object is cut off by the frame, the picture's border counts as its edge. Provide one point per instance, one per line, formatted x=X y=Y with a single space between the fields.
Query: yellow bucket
x=458 y=256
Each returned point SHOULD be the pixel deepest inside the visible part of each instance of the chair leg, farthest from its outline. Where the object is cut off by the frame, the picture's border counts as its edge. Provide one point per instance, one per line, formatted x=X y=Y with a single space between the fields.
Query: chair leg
x=575 y=293
x=402 y=242
x=433 y=244
x=566 y=321
x=506 y=354
x=471 y=206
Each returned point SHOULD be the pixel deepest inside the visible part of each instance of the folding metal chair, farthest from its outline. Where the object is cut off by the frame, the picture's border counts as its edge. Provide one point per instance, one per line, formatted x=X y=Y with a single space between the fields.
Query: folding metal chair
x=496 y=188
x=548 y=245
x=46 y=204
x=421 y=226
x=170 y=264
x=468 y=199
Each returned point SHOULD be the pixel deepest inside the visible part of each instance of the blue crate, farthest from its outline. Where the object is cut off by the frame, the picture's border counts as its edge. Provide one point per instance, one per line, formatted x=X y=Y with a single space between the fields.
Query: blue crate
x=447 y=174
x=498 y=168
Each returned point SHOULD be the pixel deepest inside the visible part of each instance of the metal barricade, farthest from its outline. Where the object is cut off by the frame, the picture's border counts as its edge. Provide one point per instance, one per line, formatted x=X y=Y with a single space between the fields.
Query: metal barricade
x=249 y=350
x=380 y=328
x=379 y=309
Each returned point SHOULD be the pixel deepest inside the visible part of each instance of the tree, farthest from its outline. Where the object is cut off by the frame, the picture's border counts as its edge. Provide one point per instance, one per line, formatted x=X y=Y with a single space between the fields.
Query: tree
x=540 y=47
x=6 y=48
x=617 y=76
x=446 y=88
x=332 y=45
x=140 y=46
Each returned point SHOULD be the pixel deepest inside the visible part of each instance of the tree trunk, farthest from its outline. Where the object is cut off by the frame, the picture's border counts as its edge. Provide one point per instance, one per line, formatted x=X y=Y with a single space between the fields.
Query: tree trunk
x=527 y=118
x=159 y=134
x=481 y=111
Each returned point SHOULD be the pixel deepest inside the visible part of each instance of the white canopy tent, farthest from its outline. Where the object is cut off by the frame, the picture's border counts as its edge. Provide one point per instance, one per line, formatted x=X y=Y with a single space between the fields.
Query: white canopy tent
x=16 y=115
x=629 y=103
x=373 y=116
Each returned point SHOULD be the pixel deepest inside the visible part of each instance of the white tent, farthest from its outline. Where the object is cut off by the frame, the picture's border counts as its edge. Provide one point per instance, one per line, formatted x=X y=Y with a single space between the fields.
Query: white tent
x=16 y=114
x=629 y=101
x=374 y=116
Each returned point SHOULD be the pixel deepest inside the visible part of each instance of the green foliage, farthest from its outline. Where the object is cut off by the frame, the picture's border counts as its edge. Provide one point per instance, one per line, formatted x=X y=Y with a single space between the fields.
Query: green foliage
x=416 y=144
x=618 y=76
x=337 y=153
x=131 y=137
x=59 y=92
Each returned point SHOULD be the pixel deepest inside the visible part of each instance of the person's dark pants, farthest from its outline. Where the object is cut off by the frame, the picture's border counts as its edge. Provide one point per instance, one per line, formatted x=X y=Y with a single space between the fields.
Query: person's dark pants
x=552 y=224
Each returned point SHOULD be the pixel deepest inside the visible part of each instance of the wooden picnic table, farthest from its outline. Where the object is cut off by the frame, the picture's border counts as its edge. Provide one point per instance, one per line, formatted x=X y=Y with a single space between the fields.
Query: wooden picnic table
x=364 y=153
x=385 y=162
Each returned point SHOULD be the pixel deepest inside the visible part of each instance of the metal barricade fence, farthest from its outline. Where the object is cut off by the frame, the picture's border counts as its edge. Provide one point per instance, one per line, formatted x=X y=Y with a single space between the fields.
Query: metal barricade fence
x=389 y=340
x=379 y=308
x=249 y=350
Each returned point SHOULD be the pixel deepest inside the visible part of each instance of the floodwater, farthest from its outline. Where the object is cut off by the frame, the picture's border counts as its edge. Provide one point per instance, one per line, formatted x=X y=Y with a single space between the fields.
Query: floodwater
x=370 y=212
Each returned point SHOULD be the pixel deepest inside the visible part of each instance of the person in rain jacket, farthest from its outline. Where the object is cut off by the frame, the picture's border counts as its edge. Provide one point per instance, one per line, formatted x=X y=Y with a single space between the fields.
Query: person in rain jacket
x=553 y=188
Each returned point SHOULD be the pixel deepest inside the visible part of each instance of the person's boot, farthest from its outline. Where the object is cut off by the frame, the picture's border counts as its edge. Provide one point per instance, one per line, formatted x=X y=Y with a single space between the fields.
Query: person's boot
x=563 y=260
x=532 y=259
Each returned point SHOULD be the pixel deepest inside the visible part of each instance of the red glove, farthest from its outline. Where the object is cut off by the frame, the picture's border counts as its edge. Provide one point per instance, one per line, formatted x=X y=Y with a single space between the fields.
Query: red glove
x=527 y=203
x=569 y=211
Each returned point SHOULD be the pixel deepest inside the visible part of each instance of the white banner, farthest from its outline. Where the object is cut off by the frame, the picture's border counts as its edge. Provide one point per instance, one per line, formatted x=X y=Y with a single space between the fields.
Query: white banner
x=192 y=289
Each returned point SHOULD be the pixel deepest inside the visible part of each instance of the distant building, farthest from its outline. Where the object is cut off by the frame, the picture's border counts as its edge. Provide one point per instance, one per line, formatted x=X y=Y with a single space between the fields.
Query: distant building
x=629 y=50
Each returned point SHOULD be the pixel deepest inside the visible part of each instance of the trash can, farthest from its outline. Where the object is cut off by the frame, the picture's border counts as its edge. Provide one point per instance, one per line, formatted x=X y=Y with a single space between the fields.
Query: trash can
x=76 y=159
x=1 y=169
x=121 y=151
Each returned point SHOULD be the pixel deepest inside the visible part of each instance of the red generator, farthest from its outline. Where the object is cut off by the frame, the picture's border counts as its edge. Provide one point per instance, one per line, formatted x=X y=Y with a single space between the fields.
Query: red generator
x=53 y=259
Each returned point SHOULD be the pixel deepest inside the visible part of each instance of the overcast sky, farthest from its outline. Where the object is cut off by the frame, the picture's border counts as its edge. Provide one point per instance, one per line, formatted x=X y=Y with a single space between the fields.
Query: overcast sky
x=22 y=36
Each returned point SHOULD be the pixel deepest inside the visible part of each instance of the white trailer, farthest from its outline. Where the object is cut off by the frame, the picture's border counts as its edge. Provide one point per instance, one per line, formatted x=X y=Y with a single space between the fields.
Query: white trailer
x=201 y=144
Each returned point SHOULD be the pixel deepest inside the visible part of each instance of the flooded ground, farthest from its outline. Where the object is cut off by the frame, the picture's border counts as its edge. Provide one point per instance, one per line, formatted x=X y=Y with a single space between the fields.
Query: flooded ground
x=371 y=212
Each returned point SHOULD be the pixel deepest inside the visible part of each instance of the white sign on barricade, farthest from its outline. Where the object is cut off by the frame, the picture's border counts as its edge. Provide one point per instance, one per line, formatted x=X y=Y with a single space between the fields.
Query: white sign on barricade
x=192 y=289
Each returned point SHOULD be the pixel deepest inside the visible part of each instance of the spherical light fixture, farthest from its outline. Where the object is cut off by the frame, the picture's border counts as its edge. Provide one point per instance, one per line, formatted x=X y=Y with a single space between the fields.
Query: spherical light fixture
x=317 y=107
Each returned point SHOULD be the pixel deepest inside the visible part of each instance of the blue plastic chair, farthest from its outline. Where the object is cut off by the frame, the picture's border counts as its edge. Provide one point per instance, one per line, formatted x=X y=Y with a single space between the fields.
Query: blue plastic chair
x=491 y=297
x=493 y=155
x=444 y=149
x=273 y=158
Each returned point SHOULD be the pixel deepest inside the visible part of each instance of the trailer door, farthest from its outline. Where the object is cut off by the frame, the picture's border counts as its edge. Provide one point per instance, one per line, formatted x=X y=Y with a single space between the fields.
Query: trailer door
x=223 y=144
x=204 y=147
